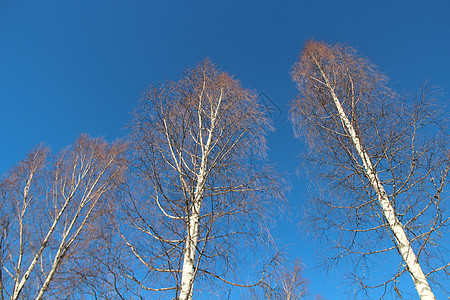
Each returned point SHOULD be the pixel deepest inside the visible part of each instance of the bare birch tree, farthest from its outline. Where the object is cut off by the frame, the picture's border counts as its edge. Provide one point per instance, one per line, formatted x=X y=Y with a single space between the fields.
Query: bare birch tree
x=286 y=283
x=50 y=211
x=199 y=200
x=293 y=285
x=384 y=158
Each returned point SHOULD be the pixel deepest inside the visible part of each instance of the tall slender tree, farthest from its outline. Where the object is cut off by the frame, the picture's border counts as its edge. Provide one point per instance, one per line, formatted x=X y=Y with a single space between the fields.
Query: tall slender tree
x=50 y=210
x=384 y=155
x=202 y=184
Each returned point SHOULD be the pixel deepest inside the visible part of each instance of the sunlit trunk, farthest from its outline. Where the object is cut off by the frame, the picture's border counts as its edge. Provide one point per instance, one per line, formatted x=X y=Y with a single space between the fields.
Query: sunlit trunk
x=187 y=278
x=403 y=244
x=188 y=272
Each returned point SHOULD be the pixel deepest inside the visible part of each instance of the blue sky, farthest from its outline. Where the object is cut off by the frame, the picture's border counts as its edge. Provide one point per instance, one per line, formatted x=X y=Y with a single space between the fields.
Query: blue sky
x=68 y=67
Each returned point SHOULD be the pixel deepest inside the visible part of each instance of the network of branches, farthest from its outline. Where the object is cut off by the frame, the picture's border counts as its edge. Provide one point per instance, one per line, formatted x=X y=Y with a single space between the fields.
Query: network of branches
x=183 y=207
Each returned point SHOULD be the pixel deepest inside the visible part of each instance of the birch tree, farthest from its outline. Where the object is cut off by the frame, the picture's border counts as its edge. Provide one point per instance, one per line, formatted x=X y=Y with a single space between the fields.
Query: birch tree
x=50 y=211
x=386 y=160
x=203 y=185
x=286 y=283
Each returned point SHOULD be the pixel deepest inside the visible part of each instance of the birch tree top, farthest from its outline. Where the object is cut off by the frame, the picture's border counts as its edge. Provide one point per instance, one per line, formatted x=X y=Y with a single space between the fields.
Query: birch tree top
x=203 y=189
x=385 y=159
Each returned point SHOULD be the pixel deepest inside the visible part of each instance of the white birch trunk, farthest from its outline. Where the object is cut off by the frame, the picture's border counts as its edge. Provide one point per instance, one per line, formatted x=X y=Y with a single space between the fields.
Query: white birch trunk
x=187 y=278
x=188 y=272
x=63 y=246
x=20 y=284
x=37 y=256
x=403 y=244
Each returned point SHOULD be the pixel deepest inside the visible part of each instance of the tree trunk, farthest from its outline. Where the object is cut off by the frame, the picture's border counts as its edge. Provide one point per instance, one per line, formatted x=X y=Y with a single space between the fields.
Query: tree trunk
x=188 y=272
x=187 y=278
x=403 y=244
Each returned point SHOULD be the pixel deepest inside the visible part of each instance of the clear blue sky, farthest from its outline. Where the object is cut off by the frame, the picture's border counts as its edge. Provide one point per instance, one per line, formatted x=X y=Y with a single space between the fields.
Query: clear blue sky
x=68 y=67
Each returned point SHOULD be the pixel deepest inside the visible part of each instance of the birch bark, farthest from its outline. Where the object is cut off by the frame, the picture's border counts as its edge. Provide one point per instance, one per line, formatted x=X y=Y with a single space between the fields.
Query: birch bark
x=403 y=244
x=188 y=272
